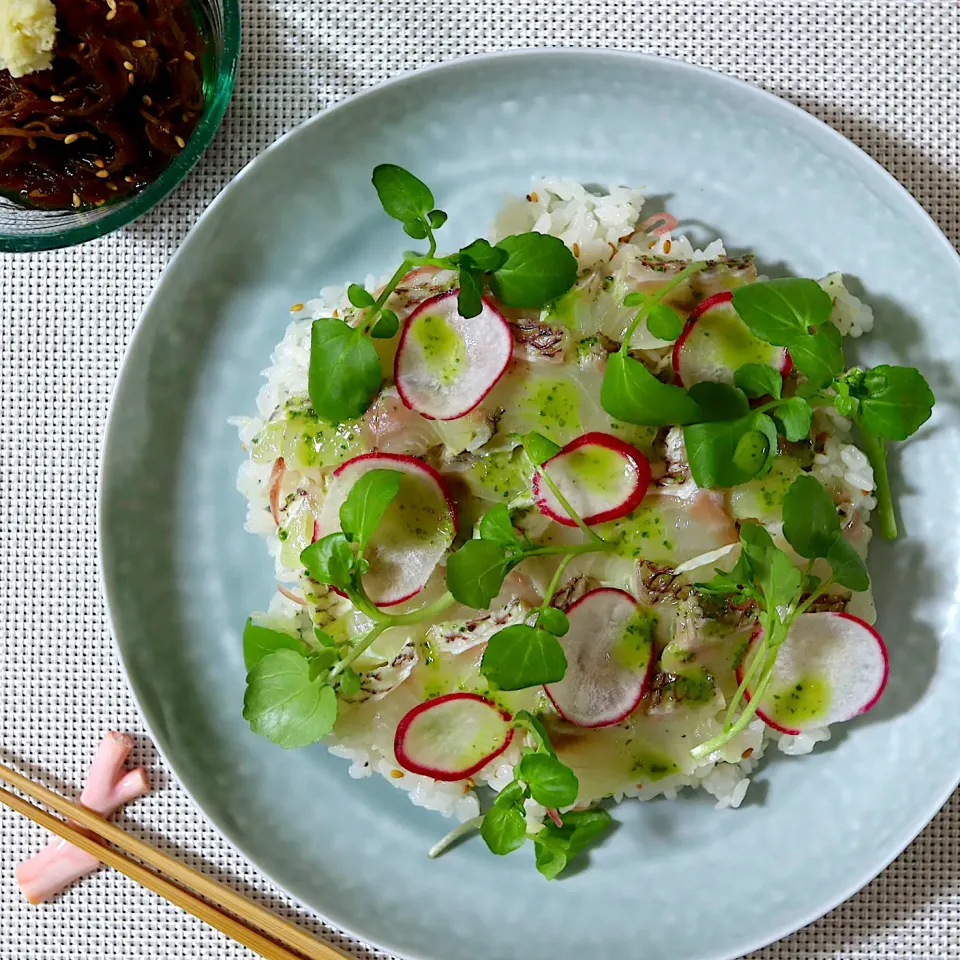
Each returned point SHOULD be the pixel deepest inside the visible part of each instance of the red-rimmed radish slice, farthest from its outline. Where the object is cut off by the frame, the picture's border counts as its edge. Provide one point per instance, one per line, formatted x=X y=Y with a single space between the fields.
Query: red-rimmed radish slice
x=602 y=477
x=609 y=650
x=446 y=364
x=415 y=532
x=715 y=342
x=832 y=667
x=452 y=737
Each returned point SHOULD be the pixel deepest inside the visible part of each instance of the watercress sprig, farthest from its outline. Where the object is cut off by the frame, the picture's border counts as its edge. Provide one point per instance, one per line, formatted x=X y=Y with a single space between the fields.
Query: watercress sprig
x=766 y=576
x=292 y=683
x=528 y=270
x=540 y=775
x=523 y=654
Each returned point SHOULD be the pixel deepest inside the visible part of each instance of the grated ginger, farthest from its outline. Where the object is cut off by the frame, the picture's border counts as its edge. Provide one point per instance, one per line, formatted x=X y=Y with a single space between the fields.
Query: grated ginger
x=27 y=32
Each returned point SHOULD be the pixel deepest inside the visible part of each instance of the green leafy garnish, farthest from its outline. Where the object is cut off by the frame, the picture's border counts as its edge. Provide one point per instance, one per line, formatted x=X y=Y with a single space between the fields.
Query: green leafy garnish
x=365 y=505
x=630 y=392
x=767 y=578
x=664 y=323
x=331 y=560
x=894 y=401
x=344 y=374
x=475 y=573
x=726 y=453
x=759 y=380
x=551 y=783
x=557 y=846
x=504 y=827
x=285 y=705
x=259 y=642
x=538 y=269
x=522 y=656
x=403 y=196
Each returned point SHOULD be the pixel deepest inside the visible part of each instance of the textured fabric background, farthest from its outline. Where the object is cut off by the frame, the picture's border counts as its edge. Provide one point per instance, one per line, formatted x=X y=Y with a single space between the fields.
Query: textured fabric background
x=886 y=74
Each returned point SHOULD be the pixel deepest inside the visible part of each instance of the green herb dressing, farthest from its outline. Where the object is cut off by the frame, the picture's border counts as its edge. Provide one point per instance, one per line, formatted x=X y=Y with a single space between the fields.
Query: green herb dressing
x=553 y=407
x=652 y=765
x=441 y=347
x=805 y=701
x=635 y=646
x=305 y=441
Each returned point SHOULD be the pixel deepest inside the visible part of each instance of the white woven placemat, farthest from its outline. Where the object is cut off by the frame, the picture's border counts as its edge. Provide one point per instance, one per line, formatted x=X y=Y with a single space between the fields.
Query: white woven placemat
x=886 y=74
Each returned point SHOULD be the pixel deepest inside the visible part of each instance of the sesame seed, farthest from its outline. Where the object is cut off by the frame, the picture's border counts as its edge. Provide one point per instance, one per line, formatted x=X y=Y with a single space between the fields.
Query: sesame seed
x=103 y=174
x=127 y=65
x=181 y=143
x=296 y=308
x=100 y=203
x=576 y=249
x=147 y=102
x=56 y=98
x=70 y=138
x=396 y=774
x=130 y=179
x=188 y=56
x=112 y=186
x=76 y=200
x=131 y=79
x=667 y=245
x=139 y=44
x=82 y=46
x=99 y=163
x=535 y=197
x=110 y=16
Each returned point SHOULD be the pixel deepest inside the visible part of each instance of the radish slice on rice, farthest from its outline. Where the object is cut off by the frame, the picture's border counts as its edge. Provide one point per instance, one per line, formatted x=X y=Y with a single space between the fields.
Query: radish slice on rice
x=452 y=737
x=446 y=364
x=609 y=650
x=715 y=342
x=602 y=477
x=414 y=534
x=832 y=667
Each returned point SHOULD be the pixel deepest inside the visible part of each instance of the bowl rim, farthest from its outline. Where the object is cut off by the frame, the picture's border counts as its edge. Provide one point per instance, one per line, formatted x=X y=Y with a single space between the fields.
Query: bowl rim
x=748 y=944
x=139 y=203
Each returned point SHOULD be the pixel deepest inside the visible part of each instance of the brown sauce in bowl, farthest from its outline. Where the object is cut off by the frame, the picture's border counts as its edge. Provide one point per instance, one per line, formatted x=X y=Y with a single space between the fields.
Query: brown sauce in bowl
x=122 y=98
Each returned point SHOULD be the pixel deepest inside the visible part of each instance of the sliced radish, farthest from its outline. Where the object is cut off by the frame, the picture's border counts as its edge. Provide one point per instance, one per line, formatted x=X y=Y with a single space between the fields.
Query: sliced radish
x=415 y=532
x=452 y=737
x=832 y=667
x=715 y=342
x=446 y=364
x=602 y=477
x=609 y=649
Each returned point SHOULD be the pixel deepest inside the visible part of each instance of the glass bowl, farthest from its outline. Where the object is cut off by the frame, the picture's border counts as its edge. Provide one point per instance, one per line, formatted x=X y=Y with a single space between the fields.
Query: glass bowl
x=24 y=229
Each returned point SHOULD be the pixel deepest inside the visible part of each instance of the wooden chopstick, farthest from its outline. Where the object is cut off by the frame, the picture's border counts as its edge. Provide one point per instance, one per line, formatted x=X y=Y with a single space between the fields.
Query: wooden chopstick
x=286 y=940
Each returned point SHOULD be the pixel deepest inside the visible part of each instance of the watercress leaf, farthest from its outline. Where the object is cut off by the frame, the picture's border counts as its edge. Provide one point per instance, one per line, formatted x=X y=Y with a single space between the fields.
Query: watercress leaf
x=322 y=660
x=847 y=406
x=539 y=448
x=388 y=323
x=470 y=297
x=416 y=229
x=719 y=454
x=344 y=372
x=259 y=642
x=782 y=311
x=359 y=296
x=504 y=829
x=497 y=525
x=436 y=219
x=475 y=573
x=630 y=392
x=819 y=356
x=512 y=795
x=759 y=380
x=847 y=565
x=897 y=401
x=551 y=859
x=553 y=621
x=367 y=501
x=349 y=683
x=324 y=637
x=522 y=656
x=282 y=704
x=719 y=401
x=793 y=416
x=585 y=826
x=480 y=255
x=551 y=783
x=538 y=269
x=401 y=194
x=811 y=524
x=330 y=560
x=525 y=719
x=664 y=323
x=772 y=569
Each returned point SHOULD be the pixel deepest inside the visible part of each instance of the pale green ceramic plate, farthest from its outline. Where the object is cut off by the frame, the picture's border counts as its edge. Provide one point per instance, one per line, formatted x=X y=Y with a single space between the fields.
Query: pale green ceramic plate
x=678 y=880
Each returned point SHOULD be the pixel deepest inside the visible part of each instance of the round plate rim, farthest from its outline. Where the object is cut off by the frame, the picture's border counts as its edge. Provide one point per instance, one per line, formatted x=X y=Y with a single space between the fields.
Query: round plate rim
x=747 y=944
